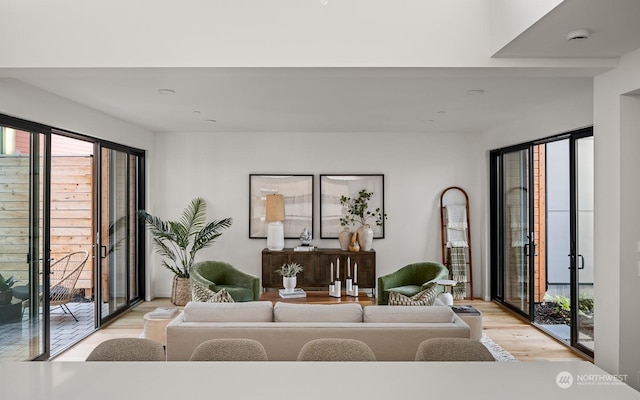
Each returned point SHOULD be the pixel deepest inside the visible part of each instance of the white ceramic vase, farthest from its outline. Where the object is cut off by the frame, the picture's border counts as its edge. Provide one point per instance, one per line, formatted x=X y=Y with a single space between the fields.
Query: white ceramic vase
x=344 y=238
x=289 y=283
x=365 y=237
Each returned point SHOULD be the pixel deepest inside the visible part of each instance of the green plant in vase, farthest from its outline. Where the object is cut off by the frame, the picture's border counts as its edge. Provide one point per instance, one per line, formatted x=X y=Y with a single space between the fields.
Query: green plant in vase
x=358 y=212
x=289 y=274
x=179 y=241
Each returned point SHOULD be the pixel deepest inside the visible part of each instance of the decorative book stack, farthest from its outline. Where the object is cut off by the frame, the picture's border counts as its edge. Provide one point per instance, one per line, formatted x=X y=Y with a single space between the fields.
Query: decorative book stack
x=163 y=313
x=297 y=292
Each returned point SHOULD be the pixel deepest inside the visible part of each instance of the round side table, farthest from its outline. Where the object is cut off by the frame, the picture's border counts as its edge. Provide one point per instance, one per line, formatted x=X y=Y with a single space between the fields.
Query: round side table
x=446 y=297
x=156 y=328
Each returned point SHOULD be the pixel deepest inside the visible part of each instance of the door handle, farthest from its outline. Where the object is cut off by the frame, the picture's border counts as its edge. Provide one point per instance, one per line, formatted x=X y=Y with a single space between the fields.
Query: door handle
x=572 y=262
x=581 y=261
x=103 y=251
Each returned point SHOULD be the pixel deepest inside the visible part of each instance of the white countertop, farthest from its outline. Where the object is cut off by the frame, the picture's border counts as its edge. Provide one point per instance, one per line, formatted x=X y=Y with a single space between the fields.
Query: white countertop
x=308 y=380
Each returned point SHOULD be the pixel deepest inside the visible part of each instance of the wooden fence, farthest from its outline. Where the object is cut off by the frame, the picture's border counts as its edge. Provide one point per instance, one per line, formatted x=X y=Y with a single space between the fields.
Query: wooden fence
x=71 y=213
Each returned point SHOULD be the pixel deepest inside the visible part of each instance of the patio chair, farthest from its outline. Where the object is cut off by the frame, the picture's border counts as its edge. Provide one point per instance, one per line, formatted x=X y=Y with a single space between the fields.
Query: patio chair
x=229 y=350
x=64 y=276
x=336 y=349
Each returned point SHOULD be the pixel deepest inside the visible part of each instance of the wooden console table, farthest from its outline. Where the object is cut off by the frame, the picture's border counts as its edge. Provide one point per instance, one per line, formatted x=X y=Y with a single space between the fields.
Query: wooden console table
x=316 y=263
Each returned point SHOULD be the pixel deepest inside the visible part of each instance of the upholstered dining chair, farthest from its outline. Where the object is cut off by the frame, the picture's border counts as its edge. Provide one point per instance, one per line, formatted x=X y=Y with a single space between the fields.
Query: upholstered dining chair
x=452 y=349
x=128 y=349
x=64 y=276
x=232 y=349
x=335 y=349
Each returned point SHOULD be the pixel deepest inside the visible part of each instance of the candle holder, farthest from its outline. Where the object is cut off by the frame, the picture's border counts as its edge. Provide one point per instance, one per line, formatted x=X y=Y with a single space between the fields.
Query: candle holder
x=335 y=289
x=352 y=288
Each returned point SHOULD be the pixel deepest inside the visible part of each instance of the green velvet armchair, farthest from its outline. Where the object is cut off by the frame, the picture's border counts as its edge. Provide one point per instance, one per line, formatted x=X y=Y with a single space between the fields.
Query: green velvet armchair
x=410 y=279
x=216 y=275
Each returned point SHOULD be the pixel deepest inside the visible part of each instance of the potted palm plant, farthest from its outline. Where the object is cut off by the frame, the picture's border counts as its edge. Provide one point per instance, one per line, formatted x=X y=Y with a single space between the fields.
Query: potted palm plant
x=179 y=241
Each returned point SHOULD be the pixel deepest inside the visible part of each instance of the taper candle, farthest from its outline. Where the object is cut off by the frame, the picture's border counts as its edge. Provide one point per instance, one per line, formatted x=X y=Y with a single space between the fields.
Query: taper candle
x=355 y=273
x=331 y=280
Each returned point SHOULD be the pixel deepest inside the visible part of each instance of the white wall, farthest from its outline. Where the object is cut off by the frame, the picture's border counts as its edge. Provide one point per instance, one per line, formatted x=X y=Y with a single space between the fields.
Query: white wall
x=417 y=167
x=20 y=100
x=617 y=280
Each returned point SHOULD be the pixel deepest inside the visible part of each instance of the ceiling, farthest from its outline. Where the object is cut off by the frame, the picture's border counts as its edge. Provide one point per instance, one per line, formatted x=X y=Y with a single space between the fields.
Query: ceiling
x=357 y=99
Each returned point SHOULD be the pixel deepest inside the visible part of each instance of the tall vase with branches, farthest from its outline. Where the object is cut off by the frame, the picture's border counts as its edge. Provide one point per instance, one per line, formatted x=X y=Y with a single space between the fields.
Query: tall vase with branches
x=178 y=242
x=357 y=211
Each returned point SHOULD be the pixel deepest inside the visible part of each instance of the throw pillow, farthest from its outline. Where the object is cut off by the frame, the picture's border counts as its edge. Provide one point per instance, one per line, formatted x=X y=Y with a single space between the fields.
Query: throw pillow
x=204 y=294
x=425 y=298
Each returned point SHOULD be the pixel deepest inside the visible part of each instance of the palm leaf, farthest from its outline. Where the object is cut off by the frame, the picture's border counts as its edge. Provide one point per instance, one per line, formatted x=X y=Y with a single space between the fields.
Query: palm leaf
x=193 y=216
x=173 y=238
x=206 y=236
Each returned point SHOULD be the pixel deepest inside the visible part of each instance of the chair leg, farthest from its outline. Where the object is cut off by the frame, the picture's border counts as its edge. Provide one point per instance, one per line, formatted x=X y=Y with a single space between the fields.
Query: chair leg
x=66 y=309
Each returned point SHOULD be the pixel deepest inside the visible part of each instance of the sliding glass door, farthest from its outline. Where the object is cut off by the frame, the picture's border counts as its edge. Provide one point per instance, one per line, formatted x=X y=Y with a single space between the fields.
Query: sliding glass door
x=542 y=234
x=118 y=235
x=63 y=197
x=23 y=250
x=583 y=267
x=515 y=241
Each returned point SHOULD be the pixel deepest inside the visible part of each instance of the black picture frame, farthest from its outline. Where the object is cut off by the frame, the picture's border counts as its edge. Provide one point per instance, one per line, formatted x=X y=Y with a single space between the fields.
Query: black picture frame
x=333 y=186
x=298 y=203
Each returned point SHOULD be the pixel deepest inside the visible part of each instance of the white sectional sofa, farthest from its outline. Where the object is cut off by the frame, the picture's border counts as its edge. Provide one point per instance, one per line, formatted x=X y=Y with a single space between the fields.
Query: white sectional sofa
x=392 y=332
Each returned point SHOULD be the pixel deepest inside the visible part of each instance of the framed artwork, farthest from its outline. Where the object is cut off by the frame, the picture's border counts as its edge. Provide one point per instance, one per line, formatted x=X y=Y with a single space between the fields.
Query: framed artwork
x=333 y=187
x=298 y=203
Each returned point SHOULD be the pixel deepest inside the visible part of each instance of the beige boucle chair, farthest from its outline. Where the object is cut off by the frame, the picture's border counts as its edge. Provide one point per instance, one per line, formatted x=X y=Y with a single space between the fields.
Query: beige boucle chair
x=333 y=349
x=452 y=349
x=128 y=349
x=229 y=350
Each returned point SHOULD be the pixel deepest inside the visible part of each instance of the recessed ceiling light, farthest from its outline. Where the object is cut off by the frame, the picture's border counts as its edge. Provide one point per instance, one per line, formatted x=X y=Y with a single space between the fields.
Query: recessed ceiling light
x=427 y=120
x=442 y=112
x=196 y=112
x=578 y=35
x=213 y=121
x=475 y=92
x=166 y=91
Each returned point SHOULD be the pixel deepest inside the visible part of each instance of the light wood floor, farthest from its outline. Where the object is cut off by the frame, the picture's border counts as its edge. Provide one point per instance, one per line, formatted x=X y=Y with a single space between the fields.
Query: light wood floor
x=516 y=336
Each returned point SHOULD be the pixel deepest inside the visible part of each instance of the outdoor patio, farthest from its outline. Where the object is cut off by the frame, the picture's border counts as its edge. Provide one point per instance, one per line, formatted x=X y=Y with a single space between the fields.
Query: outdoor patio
x=65 y=331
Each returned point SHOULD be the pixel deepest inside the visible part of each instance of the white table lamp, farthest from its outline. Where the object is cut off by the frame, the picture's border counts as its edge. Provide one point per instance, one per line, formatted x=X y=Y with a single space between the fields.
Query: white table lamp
x=274 y=215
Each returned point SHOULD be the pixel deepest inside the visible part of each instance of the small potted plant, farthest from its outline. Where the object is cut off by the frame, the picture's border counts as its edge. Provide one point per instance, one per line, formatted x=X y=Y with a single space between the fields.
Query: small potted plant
x=6 y=293
x=289 y=274
x=357 y=211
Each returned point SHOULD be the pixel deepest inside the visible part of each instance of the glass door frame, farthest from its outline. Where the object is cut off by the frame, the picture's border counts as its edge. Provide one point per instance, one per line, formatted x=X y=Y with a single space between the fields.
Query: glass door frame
x=102 y=242
x=498 y=233
x=575 y=254
x=40 y=224
x=496 y=181
x=38 y=230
